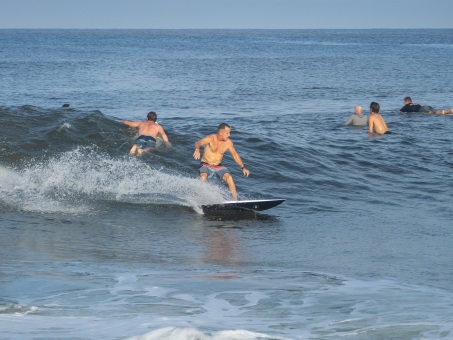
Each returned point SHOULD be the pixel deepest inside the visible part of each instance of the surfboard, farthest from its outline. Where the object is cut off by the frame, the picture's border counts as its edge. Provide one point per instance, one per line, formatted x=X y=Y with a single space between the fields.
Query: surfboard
x=247 y=205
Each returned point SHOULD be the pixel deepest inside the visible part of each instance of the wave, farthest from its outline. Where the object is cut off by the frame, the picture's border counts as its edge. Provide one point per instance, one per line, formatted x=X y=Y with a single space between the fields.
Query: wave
x=29 y=131
x=79 y=181
x=58 y=149
x=17 y=309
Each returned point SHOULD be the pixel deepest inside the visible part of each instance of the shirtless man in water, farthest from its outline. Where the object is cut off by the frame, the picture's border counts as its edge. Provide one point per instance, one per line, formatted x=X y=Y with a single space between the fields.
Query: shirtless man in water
x=211 y=162
x=147 y=134
x=376 y=121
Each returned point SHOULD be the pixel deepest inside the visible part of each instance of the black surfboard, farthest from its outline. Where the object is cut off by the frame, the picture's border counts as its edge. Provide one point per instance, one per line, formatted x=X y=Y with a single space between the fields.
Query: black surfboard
x=249 y=205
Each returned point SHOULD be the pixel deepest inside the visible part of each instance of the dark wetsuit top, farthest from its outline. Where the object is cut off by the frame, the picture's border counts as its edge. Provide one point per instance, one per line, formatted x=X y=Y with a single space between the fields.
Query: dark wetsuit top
x=410 y=108
x=416 y=108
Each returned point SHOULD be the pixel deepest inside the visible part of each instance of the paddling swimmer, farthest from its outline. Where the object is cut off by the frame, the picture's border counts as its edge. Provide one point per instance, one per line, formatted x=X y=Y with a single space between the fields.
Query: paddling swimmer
x=376 y=121
x=148 y=132
x=411 y=107
x=211 y=162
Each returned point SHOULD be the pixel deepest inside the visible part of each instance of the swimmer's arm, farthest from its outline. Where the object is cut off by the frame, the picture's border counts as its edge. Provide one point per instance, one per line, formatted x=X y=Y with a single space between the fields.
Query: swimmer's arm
x=131 y=124
x=200 y=143
x=370 y=125
x=164 y=137
x=349 y=121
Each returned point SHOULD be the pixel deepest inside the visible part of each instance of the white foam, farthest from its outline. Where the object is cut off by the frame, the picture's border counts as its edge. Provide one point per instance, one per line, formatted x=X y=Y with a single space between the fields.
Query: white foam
x=17 y=309
x=70 y=181
x=174 y=333
x=8 y=179
x=64 y=126
x=249 y=309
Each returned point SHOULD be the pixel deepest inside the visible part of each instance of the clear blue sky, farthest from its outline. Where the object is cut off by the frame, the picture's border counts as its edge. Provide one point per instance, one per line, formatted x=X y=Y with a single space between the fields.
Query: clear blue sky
x=226 y=14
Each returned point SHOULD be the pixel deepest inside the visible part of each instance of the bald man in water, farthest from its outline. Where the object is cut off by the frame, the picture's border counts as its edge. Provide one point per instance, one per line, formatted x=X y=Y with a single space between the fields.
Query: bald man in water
x=358 y=118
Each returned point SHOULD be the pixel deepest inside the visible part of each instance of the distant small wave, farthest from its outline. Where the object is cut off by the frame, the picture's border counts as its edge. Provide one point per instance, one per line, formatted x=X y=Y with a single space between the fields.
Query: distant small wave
x=17 y=309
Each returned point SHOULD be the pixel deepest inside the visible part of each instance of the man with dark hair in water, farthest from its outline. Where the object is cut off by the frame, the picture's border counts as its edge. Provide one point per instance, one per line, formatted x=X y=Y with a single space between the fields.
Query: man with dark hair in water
x=411 y=107
x=148 y=132
x=376 y=121
x=211 y=162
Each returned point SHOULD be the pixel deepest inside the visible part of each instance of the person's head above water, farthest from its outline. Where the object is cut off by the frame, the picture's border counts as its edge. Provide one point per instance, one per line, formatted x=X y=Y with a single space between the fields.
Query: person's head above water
x=152 y=116
x=407 y=100
x=374 y=107
x=358 y=110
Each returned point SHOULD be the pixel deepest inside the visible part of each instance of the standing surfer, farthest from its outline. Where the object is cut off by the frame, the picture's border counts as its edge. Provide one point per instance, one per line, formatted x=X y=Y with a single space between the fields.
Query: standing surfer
x=211 y=162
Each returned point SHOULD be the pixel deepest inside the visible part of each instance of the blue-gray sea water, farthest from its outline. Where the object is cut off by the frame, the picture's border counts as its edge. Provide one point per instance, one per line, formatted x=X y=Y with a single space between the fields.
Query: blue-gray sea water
x=97 y=244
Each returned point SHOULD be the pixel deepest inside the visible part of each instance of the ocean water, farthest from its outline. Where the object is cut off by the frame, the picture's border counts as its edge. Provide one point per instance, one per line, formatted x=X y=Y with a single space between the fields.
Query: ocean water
x=96 y=244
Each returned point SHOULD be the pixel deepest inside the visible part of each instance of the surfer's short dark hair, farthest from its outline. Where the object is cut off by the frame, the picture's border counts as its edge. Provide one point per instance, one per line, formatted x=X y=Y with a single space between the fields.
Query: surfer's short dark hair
x=222 y=126
x=152 y=116
x=375 y=107
x=408 y=99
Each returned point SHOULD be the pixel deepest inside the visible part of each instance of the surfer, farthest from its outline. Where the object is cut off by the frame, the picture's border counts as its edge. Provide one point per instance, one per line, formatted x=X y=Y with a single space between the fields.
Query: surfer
x=147 y=134
x=358 y=118
x=211 y=162
x=376 y=121
x=411 y=107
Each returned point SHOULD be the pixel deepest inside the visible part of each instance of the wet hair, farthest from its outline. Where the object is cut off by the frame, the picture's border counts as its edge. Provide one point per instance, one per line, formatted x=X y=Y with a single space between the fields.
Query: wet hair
x=65 y=105
x=374 y=107
x=408 y=99
x=222 y=126
x=152 y=116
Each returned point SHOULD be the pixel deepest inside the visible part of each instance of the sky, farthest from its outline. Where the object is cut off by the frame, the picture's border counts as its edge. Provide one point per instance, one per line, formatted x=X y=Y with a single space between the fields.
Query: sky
x=233 y=14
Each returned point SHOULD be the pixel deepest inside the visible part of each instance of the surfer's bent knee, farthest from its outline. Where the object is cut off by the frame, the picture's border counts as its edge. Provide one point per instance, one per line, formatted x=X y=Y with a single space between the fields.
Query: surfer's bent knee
x=227 y=177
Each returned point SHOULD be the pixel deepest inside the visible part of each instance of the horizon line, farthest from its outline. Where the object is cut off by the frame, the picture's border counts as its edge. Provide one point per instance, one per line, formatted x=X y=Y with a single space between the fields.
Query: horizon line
x=287 y=29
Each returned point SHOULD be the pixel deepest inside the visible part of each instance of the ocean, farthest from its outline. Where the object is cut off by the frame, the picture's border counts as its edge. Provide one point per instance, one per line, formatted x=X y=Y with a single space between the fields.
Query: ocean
x=98 y=244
